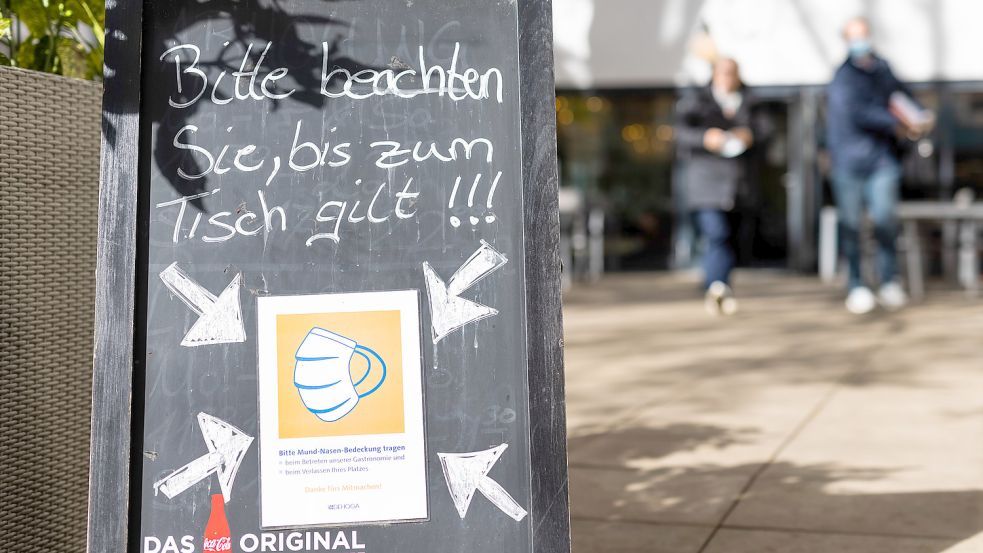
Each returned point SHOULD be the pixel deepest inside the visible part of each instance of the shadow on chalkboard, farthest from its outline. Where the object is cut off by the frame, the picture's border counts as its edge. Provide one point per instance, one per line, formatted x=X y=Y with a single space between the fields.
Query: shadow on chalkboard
x=257 y=23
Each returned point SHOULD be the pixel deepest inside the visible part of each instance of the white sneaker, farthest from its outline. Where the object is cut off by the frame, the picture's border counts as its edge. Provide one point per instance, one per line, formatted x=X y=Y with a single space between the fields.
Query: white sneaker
x=860 y=301
x=720 y=300
x=892 y=296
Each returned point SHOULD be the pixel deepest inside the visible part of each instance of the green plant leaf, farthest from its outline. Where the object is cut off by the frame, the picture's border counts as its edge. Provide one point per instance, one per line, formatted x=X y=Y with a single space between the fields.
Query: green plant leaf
x=72 y=60
x=35 y=15
x=95 y=17
x=63 y=36
x=94 y=59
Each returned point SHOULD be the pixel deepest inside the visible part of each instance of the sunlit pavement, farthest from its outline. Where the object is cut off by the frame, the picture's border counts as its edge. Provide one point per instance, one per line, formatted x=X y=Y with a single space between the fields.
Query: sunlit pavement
x=793 y=427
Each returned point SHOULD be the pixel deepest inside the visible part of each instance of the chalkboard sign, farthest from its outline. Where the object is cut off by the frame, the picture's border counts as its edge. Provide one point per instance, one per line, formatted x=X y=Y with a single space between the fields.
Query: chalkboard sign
x=328 y=315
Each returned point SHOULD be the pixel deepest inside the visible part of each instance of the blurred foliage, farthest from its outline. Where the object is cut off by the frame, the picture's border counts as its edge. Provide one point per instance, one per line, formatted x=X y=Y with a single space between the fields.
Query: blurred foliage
x=65 y=37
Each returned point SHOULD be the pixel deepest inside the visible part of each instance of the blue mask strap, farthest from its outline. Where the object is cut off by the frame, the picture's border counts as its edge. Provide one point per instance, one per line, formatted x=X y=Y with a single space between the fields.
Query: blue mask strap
x=359 y=350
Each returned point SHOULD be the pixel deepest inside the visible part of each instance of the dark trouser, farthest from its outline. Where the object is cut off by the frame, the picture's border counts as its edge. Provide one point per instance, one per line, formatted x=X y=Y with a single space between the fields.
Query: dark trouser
x=878 y=191
x=718 y=257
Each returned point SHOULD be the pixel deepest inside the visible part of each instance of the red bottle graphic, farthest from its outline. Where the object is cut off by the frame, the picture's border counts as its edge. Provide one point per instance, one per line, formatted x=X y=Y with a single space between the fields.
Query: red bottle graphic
x=217 y=534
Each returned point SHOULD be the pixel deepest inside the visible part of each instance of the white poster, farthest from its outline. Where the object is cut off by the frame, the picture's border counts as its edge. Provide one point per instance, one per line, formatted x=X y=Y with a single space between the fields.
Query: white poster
x=341 y=409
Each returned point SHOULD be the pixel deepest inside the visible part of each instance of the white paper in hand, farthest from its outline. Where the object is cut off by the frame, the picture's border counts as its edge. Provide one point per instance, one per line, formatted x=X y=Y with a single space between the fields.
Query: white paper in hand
x=732 y=147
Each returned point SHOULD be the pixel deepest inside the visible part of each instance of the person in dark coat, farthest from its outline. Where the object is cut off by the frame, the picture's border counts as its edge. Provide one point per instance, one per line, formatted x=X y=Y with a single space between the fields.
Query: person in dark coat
x=713 y=134
x=866 y=171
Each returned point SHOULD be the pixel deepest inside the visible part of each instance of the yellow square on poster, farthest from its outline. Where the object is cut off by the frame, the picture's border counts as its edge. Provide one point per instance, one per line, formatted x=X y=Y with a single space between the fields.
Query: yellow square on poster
x=341 y=430
x=349 y=367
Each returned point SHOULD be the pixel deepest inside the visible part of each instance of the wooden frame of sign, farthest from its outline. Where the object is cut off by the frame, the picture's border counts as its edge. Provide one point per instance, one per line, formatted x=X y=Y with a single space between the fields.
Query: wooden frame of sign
x=117 y=486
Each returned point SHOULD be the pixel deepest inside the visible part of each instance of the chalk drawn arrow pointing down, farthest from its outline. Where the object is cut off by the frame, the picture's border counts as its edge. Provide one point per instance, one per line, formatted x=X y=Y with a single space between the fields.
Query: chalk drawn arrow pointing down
x=219 y=319
x=467 y=473
x=227 y=446
x=449 y=311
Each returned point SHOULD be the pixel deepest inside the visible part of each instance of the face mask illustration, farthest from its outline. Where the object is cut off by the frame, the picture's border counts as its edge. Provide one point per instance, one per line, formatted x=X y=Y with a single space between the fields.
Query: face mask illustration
x=323 y=374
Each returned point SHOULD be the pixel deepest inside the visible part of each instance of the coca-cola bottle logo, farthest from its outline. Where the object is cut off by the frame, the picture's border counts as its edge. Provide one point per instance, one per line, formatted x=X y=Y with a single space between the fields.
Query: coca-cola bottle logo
x=217 y=536
x=217 y=544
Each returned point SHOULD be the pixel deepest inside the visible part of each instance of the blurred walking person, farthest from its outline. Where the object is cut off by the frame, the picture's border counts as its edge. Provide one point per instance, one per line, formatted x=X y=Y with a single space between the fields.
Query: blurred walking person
x=713 y=133
x=864 y=126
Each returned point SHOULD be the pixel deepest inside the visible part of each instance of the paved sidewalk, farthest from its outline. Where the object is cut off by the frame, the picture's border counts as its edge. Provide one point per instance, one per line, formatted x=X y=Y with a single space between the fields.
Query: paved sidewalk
x=793 y=427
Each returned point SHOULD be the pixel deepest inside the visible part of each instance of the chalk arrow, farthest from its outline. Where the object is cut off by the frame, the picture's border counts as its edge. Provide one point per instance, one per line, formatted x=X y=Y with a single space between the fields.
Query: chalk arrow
x=227 y=446
x=219 y=319
x=467 y=473
x=449 y=311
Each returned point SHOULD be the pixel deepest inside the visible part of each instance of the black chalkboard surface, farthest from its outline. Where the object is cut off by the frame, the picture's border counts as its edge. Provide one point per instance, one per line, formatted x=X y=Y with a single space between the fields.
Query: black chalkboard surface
x=328 y=311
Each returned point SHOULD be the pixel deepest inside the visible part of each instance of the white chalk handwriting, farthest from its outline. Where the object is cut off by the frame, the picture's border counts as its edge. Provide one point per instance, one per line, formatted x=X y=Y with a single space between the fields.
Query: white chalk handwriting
x=258 y=83
x=339 y=202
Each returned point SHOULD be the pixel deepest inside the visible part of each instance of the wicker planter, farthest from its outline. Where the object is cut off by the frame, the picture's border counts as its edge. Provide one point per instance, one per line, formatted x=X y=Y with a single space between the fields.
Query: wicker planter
x=49 y=182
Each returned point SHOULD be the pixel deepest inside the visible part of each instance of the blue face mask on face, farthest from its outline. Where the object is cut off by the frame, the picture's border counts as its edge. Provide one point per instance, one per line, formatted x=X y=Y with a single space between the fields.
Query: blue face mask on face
x=860 y=48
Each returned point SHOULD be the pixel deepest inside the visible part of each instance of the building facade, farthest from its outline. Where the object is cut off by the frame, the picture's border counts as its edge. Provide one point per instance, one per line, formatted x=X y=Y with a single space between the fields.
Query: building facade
x=621 y=65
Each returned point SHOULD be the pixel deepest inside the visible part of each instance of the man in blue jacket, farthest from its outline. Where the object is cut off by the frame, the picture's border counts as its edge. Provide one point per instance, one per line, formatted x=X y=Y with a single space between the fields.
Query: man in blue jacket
x=863 y=143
